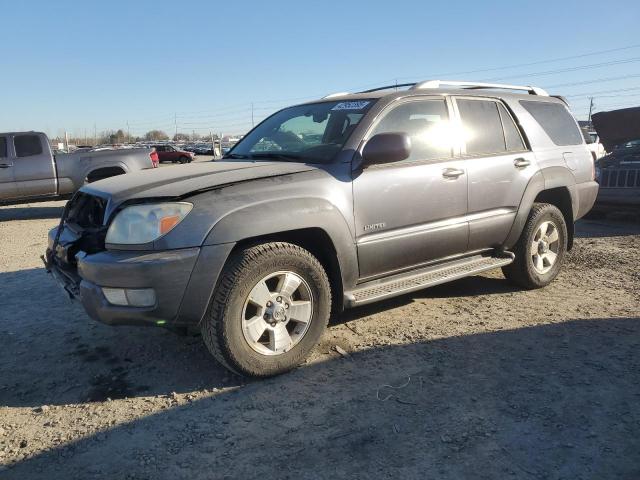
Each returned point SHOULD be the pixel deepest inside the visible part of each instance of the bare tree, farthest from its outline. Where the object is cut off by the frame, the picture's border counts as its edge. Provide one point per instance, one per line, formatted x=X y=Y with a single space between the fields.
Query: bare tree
x=156 y=135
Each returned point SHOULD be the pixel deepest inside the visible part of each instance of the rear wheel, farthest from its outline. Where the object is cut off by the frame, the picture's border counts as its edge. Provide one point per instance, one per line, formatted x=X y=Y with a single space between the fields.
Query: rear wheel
x=541 y=248
x=270 y=308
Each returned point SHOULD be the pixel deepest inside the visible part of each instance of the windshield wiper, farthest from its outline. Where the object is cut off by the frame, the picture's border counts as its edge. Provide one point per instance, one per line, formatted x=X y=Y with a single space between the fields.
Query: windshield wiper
x=292 y=157
x=235 y=155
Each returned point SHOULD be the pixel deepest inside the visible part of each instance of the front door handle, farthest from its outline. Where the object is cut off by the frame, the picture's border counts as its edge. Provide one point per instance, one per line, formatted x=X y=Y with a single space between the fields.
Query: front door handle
x=6 y=165
x=452 y=173
x=521 y=163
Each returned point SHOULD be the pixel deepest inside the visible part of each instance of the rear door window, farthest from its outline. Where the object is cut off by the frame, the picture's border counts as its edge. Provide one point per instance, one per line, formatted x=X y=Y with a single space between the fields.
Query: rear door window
x=27 y=145
x=3 y=147
x=482 y=127
x=556 y=121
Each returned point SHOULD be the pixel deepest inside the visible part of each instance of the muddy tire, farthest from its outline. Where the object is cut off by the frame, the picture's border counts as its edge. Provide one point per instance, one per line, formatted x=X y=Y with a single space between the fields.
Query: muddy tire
x=541 y=248
x=270 y=308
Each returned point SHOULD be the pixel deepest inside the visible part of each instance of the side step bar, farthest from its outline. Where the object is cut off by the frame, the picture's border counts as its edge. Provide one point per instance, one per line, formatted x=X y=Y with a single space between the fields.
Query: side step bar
x=375 y=290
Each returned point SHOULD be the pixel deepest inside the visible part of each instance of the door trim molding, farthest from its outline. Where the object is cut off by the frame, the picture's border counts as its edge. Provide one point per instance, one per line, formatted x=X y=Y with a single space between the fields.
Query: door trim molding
x=437 y=225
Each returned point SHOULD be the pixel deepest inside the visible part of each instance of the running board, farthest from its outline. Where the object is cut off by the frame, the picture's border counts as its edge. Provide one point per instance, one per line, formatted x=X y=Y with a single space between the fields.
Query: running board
x=425 y=277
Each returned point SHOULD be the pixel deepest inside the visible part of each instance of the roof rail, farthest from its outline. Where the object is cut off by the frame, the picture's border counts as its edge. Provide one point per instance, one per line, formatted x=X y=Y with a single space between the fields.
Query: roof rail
x=387 y=87
x=477 y=85
x=337 y=94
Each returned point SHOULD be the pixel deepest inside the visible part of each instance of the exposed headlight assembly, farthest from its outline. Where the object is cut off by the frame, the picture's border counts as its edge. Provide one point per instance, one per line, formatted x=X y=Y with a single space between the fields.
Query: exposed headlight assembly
x=139 y=224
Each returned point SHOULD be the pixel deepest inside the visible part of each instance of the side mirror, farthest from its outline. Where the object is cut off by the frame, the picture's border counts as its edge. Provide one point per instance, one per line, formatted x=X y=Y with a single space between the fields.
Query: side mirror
x=386 y=148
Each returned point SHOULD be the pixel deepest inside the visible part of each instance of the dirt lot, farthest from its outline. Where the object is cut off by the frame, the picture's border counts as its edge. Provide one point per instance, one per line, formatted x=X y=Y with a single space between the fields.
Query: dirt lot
x=474 y=379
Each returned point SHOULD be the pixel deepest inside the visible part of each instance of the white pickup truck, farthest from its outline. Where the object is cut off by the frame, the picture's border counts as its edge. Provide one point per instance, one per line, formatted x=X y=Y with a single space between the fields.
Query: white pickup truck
x=30 y=171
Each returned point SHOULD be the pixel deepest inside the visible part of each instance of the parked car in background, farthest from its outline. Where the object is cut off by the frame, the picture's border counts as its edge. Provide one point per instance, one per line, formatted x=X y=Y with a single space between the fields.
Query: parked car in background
x=203 y=149
x=593 y=143
x=190 y=148
x=171 y=153
x=29 y=170
x=406 y=189
x=618 y=172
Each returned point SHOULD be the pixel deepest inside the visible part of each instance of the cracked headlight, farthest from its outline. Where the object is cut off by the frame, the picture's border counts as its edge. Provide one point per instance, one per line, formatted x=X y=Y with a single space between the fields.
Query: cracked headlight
x=145 y=223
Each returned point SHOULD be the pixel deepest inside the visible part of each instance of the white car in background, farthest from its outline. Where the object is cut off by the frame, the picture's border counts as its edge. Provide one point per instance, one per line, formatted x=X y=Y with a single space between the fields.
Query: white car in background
x=595 y=147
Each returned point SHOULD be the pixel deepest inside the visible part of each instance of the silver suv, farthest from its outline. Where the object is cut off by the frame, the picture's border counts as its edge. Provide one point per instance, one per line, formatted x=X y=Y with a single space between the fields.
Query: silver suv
x=327 y=205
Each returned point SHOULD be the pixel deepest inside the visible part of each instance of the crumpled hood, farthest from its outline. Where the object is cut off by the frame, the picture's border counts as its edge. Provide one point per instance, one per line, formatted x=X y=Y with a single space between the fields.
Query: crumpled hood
x=180 y=180
x=617 y=126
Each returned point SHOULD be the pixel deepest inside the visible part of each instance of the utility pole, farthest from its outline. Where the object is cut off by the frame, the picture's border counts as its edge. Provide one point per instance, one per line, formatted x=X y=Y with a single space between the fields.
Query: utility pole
x=128 y=133
x=175 y=121
x=590 y=110
x=95 y=134
x=252 y=124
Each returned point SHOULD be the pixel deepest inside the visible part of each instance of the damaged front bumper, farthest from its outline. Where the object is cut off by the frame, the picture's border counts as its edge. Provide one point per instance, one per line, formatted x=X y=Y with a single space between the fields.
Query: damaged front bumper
x=83 y=277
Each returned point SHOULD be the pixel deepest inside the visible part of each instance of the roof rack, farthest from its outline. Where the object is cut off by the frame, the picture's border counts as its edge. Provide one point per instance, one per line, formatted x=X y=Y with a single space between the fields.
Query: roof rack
x=477 y=85
x=387 y=87
x=337 y=94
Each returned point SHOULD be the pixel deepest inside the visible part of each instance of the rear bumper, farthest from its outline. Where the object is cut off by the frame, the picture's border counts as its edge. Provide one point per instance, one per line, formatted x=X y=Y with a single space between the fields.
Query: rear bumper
x=586 y=193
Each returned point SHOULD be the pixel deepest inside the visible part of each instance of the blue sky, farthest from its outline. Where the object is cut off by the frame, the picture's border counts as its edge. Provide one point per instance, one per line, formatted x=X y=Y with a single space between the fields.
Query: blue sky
x=71 y=64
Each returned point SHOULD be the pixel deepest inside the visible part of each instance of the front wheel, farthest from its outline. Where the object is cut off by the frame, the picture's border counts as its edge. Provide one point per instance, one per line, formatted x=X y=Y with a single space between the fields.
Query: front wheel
x=540 y=249
x=270 y=308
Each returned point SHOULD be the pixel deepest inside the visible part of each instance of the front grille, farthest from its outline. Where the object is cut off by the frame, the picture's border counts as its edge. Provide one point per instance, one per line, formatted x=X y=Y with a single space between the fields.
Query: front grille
x=620 y=178
x=84 y=218
x=86 y=211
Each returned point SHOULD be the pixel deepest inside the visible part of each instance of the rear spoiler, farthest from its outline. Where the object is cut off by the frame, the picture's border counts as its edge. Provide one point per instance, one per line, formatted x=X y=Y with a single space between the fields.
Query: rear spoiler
x=560 y=97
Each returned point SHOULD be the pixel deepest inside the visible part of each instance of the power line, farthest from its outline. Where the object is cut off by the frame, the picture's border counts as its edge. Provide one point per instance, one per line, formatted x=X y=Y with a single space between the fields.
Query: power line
x=229 y=109
x=597 y=97
x=571 y=84
x=603 y=91
x=518 y=65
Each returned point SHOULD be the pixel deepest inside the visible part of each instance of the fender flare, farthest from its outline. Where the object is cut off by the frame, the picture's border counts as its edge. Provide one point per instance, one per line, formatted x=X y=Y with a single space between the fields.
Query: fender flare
x=545 y=179
x=281 y=216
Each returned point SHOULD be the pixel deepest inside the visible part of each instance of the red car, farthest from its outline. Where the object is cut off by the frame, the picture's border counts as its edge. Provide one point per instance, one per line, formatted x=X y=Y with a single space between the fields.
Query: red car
x=169 y=153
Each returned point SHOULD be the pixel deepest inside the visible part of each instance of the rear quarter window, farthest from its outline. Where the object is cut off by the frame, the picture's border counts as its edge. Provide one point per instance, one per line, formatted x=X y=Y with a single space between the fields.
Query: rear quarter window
x=3 y=147
x=556 y=121
x=27 y=145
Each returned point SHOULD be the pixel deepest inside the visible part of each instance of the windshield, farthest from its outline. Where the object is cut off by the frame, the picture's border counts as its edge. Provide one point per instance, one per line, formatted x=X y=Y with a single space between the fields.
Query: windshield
x=312 y=133
x=630 y=144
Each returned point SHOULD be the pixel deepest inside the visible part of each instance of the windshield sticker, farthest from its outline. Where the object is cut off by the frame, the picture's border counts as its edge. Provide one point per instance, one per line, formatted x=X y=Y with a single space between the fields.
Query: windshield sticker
x=351 y=105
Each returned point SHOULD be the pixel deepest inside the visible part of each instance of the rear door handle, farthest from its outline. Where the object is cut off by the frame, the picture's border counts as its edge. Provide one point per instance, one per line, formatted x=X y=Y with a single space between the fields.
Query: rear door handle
x=521 y=163
x=452 y=173
x=6 y=165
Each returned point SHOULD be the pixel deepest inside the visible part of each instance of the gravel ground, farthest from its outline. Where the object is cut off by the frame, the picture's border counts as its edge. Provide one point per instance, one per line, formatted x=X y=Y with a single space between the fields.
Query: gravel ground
x=474 y=379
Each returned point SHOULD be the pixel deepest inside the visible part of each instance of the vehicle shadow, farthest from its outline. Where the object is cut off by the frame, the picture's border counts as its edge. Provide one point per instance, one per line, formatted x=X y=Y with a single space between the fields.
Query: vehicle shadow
x=77 y=360
x=84 y=361
x=33 y=212
x=465 y=287
x=549 y=401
